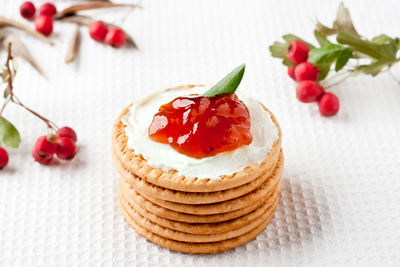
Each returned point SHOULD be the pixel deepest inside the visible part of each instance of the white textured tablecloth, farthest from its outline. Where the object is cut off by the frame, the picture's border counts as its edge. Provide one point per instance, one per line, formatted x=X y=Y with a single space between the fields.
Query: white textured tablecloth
x=340 y=203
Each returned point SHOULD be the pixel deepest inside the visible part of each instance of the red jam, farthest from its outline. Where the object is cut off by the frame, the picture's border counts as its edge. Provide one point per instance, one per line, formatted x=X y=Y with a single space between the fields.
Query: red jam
x=200 y=126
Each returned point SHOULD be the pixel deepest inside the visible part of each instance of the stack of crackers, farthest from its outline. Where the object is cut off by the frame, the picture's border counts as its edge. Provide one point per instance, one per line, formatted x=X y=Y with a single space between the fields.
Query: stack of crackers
x=194 y=215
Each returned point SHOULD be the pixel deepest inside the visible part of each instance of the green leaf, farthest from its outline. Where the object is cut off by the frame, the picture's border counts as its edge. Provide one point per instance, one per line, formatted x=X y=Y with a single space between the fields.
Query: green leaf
x=325 y=54
x=6 y=92
x=381 y=52
x=329 y=53
x=342 y=59
x=372 y=69
x=229 y=83
x=323 y=70
x=9 y=135
x=359 y=55
x=290 y=37
x=322 y=40
x=381 y=39
x=288 y=63
x=278 y=49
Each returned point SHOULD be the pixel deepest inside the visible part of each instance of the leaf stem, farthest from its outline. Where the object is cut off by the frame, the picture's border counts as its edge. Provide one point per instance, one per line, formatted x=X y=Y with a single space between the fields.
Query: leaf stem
x=4 y=106
x=48 y=122
x=13 y=98
x=327 y=80
x=338 y=82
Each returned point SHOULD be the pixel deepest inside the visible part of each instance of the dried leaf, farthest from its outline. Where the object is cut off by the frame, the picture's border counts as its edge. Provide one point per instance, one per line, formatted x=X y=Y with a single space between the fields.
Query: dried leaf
x=20 y=50
x=324 y=29
x=78 y=19
x=343 y=22
x=2 y=32
x=86 y=21
x=4 y=75
x=6 y=22
x=130 y=41
x=73 y=46
x=95 y=5
x=6 y=93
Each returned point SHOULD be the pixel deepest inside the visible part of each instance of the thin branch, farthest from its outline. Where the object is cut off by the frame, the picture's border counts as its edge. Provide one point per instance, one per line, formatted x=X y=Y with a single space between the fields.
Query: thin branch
x=10 y=78
x=335 y=76
x=338 y=82
x=13 y=98
x=4 y=106
x=48 y=122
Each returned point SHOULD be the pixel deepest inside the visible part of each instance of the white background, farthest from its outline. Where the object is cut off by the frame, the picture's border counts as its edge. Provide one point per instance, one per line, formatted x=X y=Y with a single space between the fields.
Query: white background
x=340 y=203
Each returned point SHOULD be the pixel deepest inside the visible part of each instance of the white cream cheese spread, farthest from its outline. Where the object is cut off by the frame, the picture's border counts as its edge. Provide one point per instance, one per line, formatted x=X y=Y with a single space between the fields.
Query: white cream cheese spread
x=163 y=156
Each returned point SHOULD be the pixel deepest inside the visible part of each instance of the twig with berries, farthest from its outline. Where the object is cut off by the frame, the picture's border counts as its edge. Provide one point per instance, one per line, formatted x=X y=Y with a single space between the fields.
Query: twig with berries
x=59 y=141
x=44 y=25
x=98 y=30
x=310 y=65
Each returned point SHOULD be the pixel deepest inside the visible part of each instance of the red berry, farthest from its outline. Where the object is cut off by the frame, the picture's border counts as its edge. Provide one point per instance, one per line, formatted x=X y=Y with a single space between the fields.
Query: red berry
x=290 y=71
x=305 y=71
x=3 y=158
x=115 y=37
x=44 y=25
x=44 y=149
x=42 y=158
x=297 y=51
x=328 y=104
x=47 y=9
x=98 y=31
x=66 y=148
x=27 y=10
x=308 y=91
x=46 y=144
x=67 y=132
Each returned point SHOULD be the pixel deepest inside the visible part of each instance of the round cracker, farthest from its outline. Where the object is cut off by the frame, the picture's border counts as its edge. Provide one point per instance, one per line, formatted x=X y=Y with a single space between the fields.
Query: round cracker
x=197 y=248
x=271 y=184
x=171 y=179
x=195 y=238
x=205 y=228
x=148 y=189
x=189 y=218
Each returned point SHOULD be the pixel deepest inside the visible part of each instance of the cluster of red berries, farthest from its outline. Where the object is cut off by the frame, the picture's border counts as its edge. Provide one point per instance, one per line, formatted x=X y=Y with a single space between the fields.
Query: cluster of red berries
x=43 y=22
x=306 y=74
x=98 y=30
x=62 y=144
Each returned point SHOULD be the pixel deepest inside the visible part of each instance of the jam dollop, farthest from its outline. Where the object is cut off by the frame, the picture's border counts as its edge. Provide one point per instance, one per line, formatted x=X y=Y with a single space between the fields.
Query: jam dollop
x=201 y=126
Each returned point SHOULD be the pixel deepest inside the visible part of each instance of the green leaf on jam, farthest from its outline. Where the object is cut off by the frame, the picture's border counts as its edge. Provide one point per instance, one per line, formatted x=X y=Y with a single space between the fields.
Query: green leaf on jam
x=229 y=84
